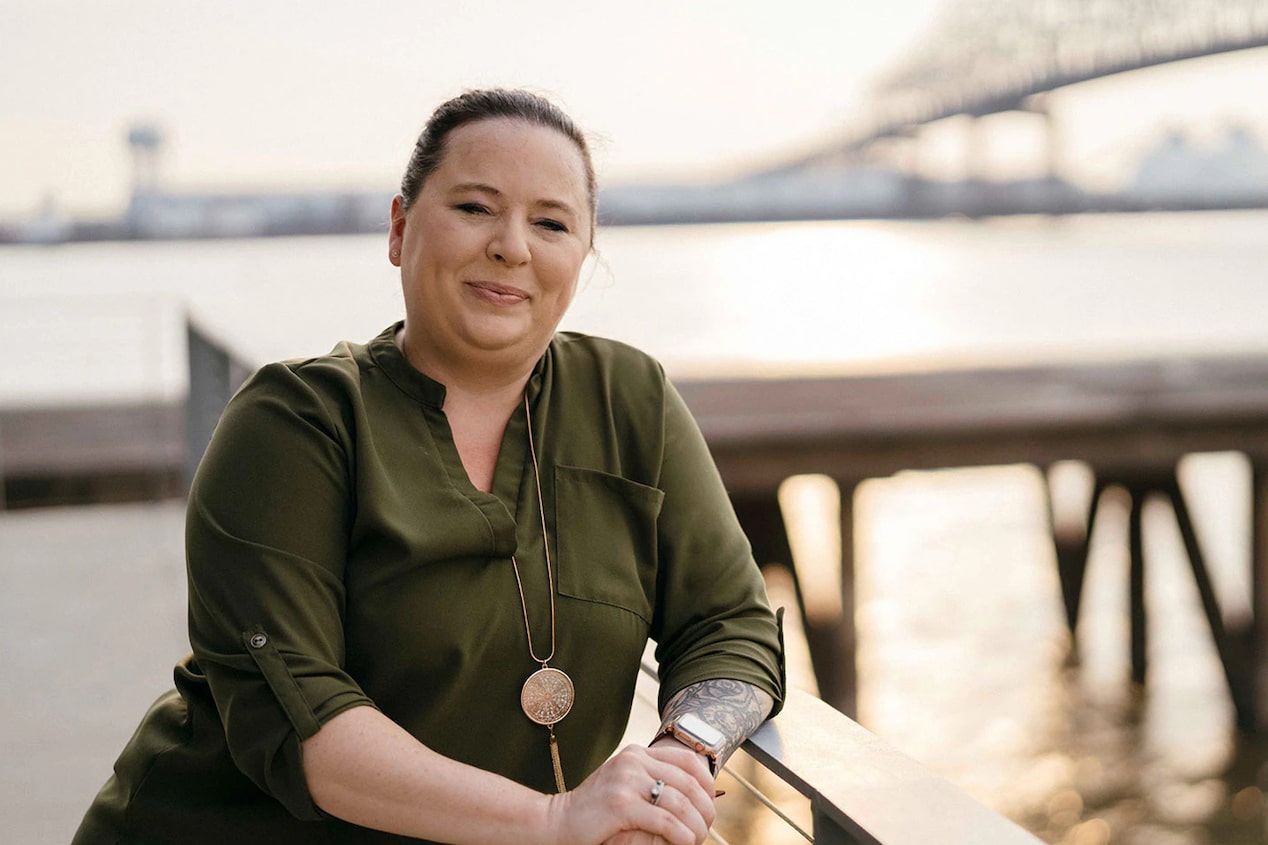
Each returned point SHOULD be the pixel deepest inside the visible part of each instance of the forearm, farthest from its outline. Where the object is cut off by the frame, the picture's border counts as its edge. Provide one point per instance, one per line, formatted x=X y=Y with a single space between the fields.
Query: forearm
x=735 y=708
x=364 y=768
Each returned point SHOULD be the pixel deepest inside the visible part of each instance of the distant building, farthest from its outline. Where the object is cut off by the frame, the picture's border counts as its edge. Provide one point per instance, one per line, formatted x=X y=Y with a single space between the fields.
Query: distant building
x=1234 y=169
x=146 y=142
x=48 y=225
x=241 y=215
x=793 y=193
x=154 y=212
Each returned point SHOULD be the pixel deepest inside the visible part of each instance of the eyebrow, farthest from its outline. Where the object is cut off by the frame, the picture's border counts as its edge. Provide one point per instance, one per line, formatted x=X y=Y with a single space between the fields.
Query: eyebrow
x=489 y=189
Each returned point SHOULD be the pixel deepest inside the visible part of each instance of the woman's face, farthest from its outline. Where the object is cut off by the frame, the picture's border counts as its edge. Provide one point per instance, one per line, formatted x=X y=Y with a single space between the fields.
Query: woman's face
x=491 y=248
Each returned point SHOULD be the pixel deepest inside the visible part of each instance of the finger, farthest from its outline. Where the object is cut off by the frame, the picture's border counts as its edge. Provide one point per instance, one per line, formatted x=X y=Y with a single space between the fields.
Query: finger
x=624 y=785
x=688 y=781
x=676 y=764
x=683 y=798
x=685 y=759
x=635 y=837
x=662 y=823
x=687 y=789
x=686 y=811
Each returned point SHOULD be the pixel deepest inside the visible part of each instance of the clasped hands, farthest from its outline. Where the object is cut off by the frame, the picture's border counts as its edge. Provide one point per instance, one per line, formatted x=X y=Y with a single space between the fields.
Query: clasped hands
x=621 y=803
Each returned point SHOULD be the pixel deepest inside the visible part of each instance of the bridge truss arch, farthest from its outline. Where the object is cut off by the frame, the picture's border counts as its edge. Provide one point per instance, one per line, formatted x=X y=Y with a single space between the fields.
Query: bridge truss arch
x=981 y=57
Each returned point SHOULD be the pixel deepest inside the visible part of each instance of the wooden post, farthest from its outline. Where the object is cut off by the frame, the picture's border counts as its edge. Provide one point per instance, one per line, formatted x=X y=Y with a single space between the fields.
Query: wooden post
x=1258 y=645
x=841 y=641
x=1072 y=548
x=763 y=524
x=1236 y=668
x=831 y=642
x=1139 y=631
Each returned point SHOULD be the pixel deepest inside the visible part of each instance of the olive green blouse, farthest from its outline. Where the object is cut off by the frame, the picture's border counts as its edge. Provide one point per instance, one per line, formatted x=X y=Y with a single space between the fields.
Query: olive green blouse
x=339 y=556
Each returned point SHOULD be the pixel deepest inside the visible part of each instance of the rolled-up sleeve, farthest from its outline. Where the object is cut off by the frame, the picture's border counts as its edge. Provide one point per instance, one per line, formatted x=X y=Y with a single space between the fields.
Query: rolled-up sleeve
x=713 y=619
x=266 y=544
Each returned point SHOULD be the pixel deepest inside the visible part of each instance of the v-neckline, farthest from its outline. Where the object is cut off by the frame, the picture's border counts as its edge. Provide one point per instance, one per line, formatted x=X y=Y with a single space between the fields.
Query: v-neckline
x=509 y=469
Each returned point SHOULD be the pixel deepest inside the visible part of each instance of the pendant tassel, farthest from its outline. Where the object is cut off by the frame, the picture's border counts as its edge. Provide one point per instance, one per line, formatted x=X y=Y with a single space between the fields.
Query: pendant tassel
x=554 y=759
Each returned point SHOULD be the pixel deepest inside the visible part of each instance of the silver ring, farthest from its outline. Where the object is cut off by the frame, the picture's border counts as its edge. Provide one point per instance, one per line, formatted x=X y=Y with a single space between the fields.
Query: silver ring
x=658 y=789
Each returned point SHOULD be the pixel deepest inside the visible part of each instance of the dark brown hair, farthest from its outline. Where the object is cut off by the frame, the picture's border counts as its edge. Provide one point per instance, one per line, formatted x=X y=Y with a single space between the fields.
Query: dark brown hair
x=488 y=104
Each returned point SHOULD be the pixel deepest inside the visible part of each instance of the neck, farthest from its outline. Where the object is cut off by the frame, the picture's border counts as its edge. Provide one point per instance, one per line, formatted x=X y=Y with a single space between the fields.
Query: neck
x=497 y=381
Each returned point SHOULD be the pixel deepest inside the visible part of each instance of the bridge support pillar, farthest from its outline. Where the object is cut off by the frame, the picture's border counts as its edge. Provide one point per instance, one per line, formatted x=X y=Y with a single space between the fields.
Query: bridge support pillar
x=1059 y=199
x=1056 y=157
x=976 y=167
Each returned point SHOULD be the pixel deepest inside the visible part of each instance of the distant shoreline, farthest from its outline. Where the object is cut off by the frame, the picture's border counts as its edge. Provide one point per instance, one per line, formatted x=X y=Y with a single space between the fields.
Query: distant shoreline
x=308 y=214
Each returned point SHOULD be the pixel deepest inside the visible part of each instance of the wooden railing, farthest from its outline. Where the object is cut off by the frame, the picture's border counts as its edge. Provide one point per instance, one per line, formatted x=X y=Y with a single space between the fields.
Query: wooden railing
x=215 y=374
x=860 y=789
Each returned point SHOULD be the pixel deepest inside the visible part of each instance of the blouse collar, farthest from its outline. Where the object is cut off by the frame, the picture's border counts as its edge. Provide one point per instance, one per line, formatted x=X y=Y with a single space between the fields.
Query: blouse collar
x=423 y=388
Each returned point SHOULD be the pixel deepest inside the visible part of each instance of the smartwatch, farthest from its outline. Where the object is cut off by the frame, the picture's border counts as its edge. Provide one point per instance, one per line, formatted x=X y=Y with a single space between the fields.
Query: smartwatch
x=698 y=735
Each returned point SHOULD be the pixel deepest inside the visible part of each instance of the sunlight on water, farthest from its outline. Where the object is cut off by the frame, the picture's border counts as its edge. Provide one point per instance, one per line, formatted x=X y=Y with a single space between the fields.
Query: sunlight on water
x=818 y=295
x=745 y=299
x=855 y=296
x=766 y=296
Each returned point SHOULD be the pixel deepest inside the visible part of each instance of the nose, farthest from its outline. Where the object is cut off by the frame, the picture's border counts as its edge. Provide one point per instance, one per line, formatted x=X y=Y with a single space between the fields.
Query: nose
x=509 y=244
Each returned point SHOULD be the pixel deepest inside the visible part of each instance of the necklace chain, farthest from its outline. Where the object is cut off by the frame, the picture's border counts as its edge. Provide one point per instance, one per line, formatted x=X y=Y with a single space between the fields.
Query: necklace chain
x=550 y=575
x=547 y=695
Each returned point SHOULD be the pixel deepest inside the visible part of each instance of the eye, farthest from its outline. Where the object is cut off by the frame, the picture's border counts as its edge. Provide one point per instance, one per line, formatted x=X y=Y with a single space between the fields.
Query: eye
x=552 y=225
x=471 y=208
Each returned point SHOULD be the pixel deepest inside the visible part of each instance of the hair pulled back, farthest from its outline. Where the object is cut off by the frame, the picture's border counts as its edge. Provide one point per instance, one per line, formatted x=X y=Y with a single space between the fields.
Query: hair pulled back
x=489 y=104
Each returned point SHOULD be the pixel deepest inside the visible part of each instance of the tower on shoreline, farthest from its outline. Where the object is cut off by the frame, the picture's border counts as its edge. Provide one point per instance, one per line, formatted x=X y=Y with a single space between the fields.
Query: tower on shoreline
x=145 y=140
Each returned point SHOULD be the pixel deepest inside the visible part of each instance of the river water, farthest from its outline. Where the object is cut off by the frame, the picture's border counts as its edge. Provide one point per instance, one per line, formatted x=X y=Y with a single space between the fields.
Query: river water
x=964 y=660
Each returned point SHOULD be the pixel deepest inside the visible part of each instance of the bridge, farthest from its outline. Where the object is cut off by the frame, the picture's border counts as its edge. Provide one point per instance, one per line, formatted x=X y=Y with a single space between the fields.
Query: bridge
x=979 y=58
x=982 y=57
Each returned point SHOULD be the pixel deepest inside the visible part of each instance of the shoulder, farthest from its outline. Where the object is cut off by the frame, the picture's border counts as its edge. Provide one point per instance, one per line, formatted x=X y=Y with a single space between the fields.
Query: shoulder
x=340 y=368
x=320 y=388
x=338 y=371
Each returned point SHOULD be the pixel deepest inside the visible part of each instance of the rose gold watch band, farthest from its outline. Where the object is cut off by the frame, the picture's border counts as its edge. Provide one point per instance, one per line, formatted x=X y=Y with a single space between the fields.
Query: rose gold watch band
x=700 y=748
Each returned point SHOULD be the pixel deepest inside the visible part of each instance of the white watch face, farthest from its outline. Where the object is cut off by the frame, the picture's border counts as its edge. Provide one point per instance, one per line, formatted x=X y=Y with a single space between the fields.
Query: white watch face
x=701 y=730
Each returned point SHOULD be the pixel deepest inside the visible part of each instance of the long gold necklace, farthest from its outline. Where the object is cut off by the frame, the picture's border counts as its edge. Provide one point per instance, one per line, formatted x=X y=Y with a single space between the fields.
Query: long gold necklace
x=548 y=693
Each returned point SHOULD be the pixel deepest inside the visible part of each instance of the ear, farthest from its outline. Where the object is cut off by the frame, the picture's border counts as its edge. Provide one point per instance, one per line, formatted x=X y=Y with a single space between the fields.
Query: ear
x=396 y=234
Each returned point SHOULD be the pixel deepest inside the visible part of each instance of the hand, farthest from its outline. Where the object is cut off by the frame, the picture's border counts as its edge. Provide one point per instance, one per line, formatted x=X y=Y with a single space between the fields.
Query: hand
x=614 y=804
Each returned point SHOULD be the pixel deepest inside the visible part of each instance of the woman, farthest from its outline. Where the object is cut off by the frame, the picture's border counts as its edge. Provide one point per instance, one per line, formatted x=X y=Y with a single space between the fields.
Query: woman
x=422 y=570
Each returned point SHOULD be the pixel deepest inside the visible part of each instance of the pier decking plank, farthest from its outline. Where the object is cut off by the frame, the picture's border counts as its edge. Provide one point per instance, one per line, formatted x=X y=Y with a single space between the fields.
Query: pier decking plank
x=859 y=427
x=62 y=441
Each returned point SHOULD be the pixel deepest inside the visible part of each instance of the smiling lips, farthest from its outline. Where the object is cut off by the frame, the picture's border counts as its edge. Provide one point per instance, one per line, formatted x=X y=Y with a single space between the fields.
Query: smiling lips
x=498 y=294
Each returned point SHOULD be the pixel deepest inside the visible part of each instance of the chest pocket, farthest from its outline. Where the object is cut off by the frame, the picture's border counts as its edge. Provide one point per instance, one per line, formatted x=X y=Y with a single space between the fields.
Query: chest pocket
x=606 y=529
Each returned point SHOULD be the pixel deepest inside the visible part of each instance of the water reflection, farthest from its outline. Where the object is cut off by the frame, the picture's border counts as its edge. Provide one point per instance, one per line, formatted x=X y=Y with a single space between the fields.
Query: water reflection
x=965 y=661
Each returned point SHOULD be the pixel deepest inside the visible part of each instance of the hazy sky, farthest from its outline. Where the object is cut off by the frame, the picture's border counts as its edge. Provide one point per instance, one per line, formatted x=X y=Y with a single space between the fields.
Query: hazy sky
x=280 y=94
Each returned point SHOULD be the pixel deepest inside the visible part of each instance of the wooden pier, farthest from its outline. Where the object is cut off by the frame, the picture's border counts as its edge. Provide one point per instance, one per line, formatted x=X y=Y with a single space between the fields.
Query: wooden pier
x=1131 y=422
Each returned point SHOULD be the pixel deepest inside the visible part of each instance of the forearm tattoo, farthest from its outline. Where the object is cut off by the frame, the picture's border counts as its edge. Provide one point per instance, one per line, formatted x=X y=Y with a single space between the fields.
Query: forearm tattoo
x=733 y=707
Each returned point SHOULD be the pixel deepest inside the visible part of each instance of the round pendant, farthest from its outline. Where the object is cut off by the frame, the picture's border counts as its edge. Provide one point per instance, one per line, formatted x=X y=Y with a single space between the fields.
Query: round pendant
x=547 y=696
